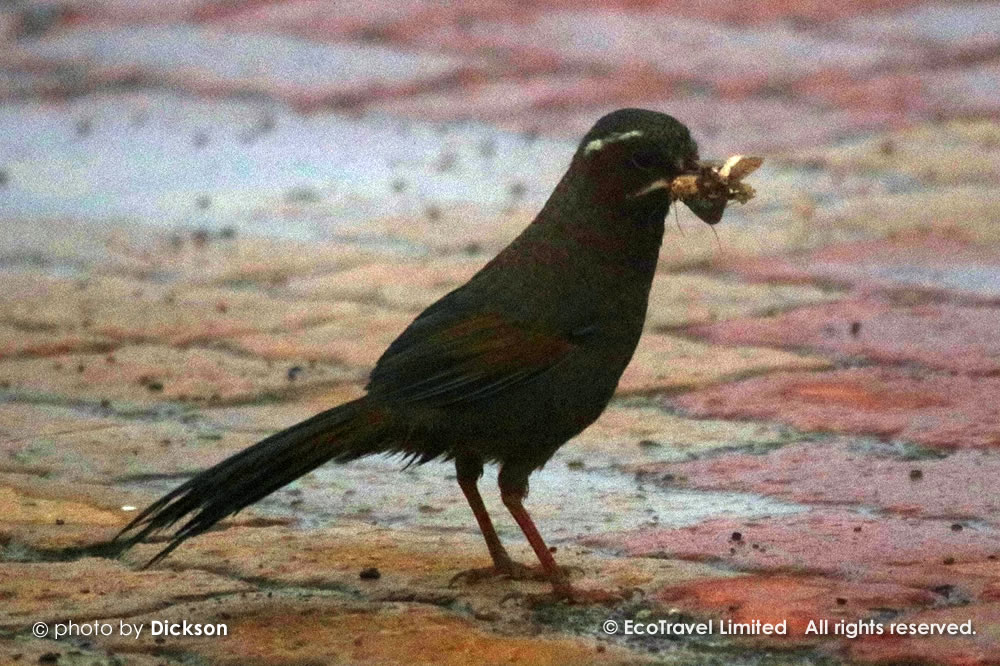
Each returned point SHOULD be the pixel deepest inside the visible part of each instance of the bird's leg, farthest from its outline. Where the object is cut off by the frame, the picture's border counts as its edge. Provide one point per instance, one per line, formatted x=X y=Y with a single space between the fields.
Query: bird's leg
x=512 y=492
x=468 y=471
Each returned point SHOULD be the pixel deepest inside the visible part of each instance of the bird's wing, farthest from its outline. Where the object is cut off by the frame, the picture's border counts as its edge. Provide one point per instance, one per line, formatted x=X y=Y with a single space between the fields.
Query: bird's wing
x=444 y=359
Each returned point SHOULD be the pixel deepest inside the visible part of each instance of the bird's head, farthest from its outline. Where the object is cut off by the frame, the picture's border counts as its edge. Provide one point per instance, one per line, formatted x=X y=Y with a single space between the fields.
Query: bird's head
x=630 y=156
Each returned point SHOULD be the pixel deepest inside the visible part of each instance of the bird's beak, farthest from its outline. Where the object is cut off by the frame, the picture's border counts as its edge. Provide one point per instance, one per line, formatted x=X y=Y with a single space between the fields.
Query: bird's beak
x=708 y=209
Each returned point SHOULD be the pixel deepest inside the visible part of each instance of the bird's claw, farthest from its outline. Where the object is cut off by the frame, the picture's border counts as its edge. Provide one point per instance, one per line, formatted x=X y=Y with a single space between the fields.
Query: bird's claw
x=572 y=595
x=509 y=571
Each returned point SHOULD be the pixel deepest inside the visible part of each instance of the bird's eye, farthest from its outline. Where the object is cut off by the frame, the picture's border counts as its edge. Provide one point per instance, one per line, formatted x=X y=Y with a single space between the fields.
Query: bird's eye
x=644 y=159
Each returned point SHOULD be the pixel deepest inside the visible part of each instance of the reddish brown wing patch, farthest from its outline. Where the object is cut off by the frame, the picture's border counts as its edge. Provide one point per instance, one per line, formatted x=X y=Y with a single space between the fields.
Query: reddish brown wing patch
x=465 y=360
x=491 y=342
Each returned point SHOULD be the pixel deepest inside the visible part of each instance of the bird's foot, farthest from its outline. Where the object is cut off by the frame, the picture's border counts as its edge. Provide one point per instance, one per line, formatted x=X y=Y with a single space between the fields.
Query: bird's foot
x=510 y=570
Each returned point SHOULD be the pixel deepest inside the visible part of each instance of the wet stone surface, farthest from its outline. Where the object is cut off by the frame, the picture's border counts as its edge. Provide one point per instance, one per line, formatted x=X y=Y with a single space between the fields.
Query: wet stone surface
x=202 y=246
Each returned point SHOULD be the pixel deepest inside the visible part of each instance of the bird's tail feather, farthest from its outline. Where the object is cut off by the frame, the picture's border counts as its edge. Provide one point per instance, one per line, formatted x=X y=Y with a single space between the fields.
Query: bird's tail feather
x=343 y=433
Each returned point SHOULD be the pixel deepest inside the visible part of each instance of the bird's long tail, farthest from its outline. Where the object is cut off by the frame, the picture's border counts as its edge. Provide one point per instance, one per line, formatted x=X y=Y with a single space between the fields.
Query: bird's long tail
x=346 y=432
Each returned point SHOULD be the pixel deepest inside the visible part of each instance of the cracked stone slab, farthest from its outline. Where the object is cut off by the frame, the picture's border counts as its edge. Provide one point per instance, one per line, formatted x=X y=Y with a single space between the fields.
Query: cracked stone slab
x=958 y=91
x=797 y=599
x=30 y=650
x=355 y=336
x=126 y=11
x=671 y=44
x=641 y=435
x=147 y=375
x=20 y=507
x=399 y=284
x=409 y=561
x=786 y=226
x=951 y=153
x=943 y=25
x=890 y=549
x=565 y=104
x=453 y=228
x=324 y=20
x=981 y=648
x=948 y=263
x=49 y=518
x=968 y=209
x=938 y=335
x=267 y=418
x=862 y=473
x=223 y=257
x=380 y=491
x=123 y=310
x=80 y=447
x=684 y=299
x=36 y=501
x=96 y=588
x=21 y=422
x=810 y=12
x=206 y=58
x=259 y=169
x=15 y=342
x=193 y=252
x=665 y=363
x=304 y=627
x=939 y=410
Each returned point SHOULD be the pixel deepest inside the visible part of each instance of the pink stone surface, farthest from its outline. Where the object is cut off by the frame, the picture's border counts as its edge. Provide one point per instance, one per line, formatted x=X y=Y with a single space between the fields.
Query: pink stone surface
x=940 y=410
x=323 y=19
x=886 y=548
x=982 y=648
x=850 y=472
x=217 y=214
x=938 y=335
x=795 y=599
x=218 y=62
x=942 y=262
x=676 y=45
x=956 y=90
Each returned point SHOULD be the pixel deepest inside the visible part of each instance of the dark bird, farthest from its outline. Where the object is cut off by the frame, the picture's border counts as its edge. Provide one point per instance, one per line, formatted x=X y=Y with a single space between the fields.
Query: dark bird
x=506 y=368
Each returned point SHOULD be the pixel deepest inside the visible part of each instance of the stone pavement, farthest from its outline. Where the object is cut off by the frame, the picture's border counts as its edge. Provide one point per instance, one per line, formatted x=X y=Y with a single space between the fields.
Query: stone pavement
x=217 y=214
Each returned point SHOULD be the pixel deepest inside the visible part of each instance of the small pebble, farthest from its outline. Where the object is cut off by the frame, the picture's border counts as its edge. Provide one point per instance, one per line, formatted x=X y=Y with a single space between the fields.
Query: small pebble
x=433 y=213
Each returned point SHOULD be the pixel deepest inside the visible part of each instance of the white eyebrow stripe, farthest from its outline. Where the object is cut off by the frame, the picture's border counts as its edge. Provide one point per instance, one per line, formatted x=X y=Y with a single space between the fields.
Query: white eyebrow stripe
x=597 y=144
